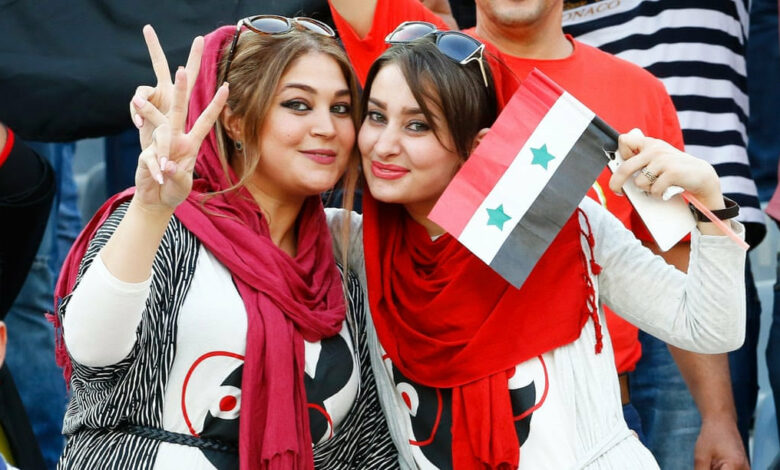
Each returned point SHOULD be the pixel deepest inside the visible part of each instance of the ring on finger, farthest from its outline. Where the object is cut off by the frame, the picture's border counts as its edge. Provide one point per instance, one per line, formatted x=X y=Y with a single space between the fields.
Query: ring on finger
x=649 y=175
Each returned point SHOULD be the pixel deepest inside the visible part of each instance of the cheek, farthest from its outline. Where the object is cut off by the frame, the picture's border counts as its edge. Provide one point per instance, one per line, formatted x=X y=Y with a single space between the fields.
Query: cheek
x=366 y=139
x=346 y=133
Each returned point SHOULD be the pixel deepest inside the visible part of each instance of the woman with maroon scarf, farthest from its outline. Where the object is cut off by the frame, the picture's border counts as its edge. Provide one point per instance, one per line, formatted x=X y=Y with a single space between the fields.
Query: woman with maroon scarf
x=210 y=290
x=473 y=373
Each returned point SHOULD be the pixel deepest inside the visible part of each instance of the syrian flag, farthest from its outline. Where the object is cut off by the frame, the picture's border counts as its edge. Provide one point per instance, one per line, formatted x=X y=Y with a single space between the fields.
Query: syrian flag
x=525 y=179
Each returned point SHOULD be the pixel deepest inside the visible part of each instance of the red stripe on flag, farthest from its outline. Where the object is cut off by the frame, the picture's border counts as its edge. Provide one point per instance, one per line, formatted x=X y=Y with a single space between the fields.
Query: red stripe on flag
x=495 y=153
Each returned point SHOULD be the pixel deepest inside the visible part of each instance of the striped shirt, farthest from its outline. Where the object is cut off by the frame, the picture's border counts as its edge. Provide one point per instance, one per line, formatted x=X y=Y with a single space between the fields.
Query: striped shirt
x=697 y=49
x=166 y=382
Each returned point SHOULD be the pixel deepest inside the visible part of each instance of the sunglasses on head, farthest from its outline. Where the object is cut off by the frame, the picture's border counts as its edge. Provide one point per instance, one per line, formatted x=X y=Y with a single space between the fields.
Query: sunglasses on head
x=459 y=47
x=275 y=24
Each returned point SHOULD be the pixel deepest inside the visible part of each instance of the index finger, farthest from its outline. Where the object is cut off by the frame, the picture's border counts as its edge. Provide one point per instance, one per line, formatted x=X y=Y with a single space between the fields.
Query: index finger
x=630 y=143
x=206 y=120
x=159 y=62
x=193 y=63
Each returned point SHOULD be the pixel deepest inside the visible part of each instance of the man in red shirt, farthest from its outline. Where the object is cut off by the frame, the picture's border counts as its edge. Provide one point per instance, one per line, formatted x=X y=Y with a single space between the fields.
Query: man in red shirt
x=526 y=35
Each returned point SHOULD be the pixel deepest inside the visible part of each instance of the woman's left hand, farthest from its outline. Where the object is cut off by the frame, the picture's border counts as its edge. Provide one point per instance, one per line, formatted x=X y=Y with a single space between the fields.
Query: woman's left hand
x=656 y=165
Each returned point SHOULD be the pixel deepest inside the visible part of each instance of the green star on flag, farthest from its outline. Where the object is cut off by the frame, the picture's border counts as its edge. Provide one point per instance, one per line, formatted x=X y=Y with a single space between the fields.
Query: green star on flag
x=541 y=156
x=497 y=217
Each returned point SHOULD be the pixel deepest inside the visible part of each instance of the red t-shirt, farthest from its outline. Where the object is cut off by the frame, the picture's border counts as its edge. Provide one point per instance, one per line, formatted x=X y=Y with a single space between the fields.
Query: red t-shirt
x=623 y=94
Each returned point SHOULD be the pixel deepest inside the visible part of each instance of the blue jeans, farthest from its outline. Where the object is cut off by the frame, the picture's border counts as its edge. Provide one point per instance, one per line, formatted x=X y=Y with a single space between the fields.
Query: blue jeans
x=743 y=363
x=773 y=344
x=121 y=154
x=634 y=422
x=669 y=416
x=30 y=337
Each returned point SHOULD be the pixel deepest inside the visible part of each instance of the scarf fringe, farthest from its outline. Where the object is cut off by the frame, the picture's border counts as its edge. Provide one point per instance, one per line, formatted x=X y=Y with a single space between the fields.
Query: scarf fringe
x=591 y=306
x=61 y=356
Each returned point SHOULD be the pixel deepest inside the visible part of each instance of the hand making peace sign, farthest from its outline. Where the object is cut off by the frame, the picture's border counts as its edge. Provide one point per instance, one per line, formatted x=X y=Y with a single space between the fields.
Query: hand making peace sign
x=163 y=178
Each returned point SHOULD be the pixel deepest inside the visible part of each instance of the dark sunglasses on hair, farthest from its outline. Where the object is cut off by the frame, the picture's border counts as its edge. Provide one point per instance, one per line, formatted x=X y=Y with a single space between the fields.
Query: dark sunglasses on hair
x=275 y=24
x=459 y=47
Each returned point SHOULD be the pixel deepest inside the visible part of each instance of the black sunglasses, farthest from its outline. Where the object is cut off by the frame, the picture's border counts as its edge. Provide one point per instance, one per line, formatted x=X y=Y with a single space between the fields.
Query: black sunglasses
x=275 y=24
x=459 y=47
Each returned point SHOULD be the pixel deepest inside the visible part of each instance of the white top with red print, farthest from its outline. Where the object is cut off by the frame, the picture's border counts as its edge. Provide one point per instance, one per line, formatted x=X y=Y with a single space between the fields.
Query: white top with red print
x=568 y=413
x=203 y=393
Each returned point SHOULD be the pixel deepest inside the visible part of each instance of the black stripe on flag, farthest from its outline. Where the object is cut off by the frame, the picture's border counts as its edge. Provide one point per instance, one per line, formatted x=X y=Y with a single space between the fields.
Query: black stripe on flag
x=555 y=203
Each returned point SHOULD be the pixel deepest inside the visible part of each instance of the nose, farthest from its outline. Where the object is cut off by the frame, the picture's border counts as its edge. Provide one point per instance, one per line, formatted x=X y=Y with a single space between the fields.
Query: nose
x=323 y=125
x=387 y=144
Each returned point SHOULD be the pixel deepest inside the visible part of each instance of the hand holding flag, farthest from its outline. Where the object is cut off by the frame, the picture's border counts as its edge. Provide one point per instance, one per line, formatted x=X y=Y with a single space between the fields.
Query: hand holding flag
x=528 y=174
x=658 y=168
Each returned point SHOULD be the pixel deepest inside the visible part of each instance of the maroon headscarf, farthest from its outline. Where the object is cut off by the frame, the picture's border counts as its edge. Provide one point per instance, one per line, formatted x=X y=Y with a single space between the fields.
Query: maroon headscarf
x=288 y=299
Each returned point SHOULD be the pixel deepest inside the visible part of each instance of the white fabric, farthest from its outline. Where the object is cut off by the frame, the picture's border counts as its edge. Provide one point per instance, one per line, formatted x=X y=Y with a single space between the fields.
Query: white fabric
x=100 y=325
x=703 y=311
x=100 y=340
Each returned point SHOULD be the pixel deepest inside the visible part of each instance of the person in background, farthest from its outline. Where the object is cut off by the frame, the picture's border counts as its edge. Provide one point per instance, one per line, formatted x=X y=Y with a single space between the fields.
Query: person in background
x=704 y=72
x=26 y=192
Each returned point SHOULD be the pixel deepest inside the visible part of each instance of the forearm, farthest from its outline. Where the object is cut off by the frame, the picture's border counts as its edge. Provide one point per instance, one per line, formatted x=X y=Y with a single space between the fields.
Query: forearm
x=702 y=311
x=130 y=251
x=105 y=309
x=709 y=381
x=707 y=375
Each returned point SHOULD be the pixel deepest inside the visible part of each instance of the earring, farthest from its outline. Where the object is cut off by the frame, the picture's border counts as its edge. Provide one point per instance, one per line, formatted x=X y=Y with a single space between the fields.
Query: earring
x=239 y=145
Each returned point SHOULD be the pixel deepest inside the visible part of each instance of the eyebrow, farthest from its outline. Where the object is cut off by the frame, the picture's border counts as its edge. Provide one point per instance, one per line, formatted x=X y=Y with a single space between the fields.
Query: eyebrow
x=408 y=111
x=312 y=90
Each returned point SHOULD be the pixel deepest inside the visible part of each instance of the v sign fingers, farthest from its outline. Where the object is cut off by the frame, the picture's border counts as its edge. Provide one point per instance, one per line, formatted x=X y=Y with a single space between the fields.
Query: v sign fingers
x=161 y=95
x=193 y=64
x=178 y=113
x=206 y=120
x=156 y=53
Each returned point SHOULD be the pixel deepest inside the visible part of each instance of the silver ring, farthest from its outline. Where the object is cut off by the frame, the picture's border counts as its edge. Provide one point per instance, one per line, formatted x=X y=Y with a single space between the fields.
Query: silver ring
x=649 y=175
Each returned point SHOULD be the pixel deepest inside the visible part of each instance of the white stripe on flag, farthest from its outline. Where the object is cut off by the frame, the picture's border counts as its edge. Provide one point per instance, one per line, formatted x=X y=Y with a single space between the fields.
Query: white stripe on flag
x=522 y=182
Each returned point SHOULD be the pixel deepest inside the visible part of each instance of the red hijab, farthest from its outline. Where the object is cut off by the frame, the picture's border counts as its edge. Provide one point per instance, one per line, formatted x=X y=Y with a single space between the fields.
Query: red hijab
x=447 y=320
x=287 y=299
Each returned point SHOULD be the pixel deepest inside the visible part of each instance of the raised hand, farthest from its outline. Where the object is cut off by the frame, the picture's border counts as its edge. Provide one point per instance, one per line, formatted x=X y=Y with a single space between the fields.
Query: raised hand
x=163 y=178
x=161 y=95
x=656 y=165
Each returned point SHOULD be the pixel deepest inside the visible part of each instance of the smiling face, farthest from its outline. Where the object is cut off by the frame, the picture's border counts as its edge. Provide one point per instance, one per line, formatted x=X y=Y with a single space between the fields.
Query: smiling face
x=403 y=160
x=308 y=135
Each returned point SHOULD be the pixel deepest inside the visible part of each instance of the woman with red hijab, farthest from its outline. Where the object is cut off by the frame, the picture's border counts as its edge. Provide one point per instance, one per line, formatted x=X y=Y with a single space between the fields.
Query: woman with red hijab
x=210 y=291
x=477 y=374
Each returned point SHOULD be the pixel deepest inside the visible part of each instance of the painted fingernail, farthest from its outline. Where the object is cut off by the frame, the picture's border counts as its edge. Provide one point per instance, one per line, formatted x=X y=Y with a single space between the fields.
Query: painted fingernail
x=138 y=101
x=163 y=161
x=138 y=121
x=160 y=178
